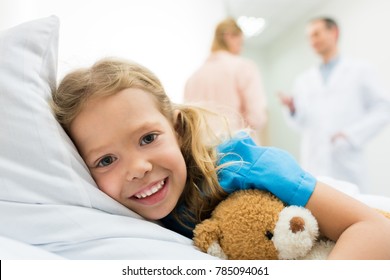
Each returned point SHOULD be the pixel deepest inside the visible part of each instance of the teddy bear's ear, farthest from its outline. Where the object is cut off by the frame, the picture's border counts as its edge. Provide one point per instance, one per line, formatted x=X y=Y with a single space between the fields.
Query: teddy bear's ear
x=206 y=238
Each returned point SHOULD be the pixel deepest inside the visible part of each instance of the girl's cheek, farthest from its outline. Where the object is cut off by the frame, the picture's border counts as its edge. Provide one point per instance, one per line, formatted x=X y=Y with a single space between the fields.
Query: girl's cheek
x=106 y=185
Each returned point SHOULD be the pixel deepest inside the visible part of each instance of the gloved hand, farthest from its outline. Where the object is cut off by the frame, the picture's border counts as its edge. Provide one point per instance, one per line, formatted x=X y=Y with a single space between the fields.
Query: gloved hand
x=245 y=165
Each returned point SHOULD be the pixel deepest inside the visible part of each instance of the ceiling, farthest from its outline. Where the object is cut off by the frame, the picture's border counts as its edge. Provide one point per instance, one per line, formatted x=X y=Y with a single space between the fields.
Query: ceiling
x=279 y=14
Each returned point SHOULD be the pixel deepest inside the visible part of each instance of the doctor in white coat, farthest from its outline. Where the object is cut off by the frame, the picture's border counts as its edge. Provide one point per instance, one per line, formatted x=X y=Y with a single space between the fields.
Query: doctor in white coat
x=339 y=106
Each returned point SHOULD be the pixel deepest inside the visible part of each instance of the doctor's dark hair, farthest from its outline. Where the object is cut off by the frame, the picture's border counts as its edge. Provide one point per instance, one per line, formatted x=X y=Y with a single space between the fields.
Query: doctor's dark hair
x=197 y=140
x=329 y=22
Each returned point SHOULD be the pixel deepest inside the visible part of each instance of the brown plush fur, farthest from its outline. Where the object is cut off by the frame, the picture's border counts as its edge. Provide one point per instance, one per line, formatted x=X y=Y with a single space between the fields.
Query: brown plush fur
x=238 y=216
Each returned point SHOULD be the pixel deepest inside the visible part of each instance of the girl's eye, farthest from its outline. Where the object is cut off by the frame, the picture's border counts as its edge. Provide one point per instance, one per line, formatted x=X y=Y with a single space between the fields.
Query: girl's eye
x=147 y=139
x=105 y=161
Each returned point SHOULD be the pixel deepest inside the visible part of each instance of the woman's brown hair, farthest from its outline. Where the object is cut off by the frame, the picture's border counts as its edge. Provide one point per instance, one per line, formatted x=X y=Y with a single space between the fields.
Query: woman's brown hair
x=229 y=25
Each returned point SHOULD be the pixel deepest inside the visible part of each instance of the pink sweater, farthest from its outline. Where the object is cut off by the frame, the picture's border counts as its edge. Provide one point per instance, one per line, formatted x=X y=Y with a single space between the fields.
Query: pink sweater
x=231 y=85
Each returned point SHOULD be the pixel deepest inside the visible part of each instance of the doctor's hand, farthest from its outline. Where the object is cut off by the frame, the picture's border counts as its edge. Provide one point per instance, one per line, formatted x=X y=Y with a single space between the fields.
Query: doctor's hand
x=287 y=101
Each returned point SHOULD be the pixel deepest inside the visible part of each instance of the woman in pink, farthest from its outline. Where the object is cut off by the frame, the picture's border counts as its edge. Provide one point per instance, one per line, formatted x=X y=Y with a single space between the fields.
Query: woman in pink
x=229 y=83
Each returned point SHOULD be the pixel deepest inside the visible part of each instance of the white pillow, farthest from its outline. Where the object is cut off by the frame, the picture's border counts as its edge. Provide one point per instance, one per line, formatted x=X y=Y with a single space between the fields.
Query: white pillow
x=47 y=196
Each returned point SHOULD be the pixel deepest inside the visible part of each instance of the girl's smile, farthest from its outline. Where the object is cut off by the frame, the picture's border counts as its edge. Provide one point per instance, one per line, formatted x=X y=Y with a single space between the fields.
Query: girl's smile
x=132 y=151
x=152 y=194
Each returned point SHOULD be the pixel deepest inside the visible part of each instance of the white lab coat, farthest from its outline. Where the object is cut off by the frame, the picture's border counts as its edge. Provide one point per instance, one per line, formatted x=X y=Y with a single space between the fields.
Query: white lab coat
x=352 y=101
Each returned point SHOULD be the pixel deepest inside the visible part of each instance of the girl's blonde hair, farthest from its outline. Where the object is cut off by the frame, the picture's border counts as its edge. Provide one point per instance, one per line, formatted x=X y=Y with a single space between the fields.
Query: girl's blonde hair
x=228 y=25
x=197 y=140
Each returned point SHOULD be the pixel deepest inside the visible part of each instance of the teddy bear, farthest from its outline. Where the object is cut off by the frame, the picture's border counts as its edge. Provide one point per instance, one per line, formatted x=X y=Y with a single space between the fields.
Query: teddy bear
x=266 y=230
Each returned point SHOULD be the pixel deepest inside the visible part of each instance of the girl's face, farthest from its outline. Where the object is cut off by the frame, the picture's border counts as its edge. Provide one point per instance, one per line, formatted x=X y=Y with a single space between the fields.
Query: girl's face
x=132 y=152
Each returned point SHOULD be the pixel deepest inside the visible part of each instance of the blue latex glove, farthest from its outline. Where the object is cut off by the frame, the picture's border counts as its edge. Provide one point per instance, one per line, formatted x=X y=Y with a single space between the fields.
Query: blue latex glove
x=263 y=168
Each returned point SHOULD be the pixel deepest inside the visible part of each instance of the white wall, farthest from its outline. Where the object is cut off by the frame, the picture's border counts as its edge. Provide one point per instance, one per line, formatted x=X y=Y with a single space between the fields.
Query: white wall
x=171 y=37
x=364 y=34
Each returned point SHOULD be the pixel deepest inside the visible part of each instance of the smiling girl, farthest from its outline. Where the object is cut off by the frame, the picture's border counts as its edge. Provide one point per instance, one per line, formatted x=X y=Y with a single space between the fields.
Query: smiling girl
x=164 y=162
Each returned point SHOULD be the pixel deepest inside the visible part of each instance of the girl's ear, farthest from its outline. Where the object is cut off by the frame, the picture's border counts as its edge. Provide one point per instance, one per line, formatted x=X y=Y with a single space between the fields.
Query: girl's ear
x=178 y=122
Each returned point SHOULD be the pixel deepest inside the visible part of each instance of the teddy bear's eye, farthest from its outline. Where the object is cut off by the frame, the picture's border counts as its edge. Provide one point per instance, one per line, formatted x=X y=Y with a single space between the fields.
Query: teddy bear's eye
x=269 y=235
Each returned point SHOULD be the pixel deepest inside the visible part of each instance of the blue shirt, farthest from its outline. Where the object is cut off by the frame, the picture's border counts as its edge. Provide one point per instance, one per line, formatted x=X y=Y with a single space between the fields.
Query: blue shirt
x=327 y=68
x=249 y=166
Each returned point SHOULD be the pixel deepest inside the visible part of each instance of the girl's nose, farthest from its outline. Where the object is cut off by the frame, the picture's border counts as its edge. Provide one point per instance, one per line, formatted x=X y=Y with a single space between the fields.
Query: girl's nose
x=138 y=168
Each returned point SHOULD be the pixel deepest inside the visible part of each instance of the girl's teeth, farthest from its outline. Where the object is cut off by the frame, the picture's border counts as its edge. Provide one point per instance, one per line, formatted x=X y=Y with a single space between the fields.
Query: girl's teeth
x=151 y=191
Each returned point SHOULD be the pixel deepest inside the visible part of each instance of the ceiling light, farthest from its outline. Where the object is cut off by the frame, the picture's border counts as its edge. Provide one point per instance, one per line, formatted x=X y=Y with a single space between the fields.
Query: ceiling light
x=251 y=26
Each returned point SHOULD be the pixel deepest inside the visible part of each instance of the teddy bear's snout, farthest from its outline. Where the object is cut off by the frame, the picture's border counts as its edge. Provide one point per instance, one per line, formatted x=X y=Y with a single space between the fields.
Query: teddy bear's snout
x=295 y=232
x=297 y=224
